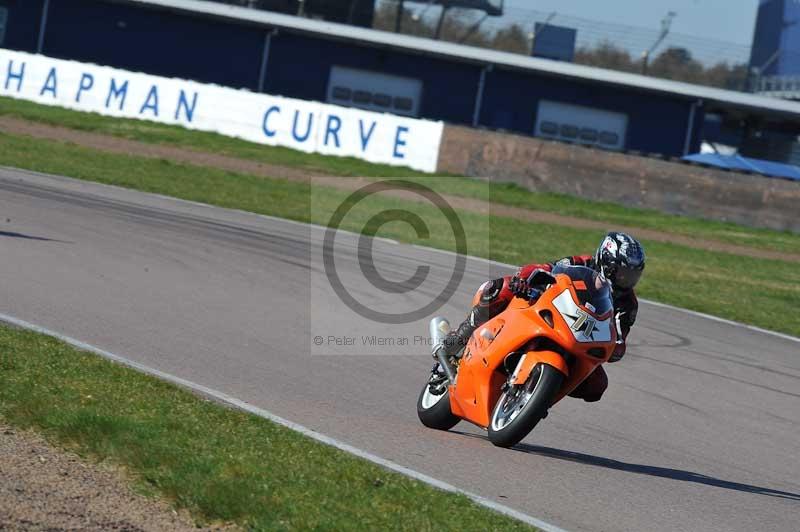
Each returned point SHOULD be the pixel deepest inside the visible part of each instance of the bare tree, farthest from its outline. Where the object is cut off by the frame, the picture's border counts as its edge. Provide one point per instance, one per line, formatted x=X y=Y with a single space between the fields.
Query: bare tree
x=674 y=63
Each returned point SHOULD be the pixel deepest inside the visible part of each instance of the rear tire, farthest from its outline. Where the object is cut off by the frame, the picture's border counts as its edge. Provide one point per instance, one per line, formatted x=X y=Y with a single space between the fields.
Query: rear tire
x=434 y=410
x=519 y=410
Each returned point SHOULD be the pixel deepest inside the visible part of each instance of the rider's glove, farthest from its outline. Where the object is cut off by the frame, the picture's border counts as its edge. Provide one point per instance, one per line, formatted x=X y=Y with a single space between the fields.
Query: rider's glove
x=518 y=286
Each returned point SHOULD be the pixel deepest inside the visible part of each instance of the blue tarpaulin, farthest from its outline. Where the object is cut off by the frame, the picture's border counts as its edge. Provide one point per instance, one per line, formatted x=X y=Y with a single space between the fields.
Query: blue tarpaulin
x=737 y=162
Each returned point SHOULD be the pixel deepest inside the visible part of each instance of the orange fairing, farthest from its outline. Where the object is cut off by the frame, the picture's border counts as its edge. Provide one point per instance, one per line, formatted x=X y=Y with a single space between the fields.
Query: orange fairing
x=532 y=358
x=556 y=330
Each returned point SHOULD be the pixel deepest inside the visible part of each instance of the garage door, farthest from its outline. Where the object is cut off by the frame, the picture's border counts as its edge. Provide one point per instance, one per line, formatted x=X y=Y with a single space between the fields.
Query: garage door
x=374 y=91
x=582 y=125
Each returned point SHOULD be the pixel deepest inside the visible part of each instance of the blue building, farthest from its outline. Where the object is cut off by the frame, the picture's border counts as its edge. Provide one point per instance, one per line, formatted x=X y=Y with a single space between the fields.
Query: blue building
x=776 y=42
x=352 y=66
x=775 y=56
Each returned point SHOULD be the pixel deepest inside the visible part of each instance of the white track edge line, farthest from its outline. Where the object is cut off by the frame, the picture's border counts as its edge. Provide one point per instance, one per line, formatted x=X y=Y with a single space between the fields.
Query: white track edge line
x=390 y=241
x=322 y=438
x=723 y=320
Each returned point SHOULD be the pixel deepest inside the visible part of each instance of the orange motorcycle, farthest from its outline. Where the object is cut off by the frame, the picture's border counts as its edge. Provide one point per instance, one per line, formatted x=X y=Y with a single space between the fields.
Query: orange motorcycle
x=526 y=359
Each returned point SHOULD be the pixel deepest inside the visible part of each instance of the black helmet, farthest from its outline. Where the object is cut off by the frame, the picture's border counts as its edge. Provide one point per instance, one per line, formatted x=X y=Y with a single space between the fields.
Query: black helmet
x=620 y=258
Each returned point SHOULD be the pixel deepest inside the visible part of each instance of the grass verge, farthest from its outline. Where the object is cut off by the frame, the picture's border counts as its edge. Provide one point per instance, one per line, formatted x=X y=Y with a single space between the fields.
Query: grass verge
x=222 y=465
x=500 y=194
x=763 y=293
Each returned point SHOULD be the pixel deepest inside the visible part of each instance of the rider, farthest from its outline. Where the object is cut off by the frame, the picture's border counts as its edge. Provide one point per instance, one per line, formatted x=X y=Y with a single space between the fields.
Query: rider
x=620 y=258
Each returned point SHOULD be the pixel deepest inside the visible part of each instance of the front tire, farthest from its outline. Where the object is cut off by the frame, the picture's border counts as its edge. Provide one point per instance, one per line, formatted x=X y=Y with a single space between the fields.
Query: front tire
x=434 y=410
x=520 y=408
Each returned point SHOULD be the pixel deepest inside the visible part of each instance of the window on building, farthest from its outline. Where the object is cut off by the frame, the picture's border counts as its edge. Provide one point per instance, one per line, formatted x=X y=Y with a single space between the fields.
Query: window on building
x=362 y=97
x=548 y=128
x=609 y=138
x=589 y=134
x=382 y=100
x=569 y=131
x=342 y=94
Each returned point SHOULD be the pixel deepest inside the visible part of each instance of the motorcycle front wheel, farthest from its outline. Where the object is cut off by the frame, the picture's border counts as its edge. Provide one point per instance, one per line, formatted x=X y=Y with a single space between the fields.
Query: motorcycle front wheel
x=434 y=410
x=520 y=408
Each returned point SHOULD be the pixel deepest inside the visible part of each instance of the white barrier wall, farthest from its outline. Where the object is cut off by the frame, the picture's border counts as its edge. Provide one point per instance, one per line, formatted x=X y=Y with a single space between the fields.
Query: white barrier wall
x=271 y=120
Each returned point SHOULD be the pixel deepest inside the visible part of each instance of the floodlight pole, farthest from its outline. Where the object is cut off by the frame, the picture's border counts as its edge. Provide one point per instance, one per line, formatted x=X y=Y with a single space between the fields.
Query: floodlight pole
x=42 y=26
x=398 y=21
x=666 y=23
x=473 y=29
x=441 y=22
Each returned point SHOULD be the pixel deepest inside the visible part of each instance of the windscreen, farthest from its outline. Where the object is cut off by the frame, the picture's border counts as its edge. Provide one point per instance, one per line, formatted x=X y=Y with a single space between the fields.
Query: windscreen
x=594 y=291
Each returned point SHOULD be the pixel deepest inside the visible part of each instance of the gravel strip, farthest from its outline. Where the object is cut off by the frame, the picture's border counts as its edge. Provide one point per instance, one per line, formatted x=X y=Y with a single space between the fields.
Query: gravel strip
x=43 y=488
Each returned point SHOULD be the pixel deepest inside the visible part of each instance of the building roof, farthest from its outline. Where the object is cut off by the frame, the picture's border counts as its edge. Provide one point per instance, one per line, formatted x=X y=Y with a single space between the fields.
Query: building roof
x=731 y=100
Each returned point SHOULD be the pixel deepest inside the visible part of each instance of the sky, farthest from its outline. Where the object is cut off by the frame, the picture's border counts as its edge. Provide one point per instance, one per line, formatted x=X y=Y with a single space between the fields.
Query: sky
x=724 y=20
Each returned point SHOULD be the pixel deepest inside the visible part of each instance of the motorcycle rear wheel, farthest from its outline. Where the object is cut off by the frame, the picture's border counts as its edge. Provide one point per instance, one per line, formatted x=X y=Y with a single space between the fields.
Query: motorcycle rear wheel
x=519 y=410
x=434 y=410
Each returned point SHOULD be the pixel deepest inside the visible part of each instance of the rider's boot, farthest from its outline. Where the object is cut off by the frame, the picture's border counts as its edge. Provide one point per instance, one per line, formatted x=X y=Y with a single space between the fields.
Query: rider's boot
x=492 y=298
x=456 y=340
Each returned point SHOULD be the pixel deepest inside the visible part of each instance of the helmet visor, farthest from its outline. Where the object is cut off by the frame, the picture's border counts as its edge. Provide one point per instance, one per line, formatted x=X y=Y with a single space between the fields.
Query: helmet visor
x=626 y=278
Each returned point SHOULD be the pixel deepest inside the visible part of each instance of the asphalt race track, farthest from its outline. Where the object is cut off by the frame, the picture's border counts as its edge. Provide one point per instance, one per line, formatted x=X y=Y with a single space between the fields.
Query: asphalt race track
x=699 y=429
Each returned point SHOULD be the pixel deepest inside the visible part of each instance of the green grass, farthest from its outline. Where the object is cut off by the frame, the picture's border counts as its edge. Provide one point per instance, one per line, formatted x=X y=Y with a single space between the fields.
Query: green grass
x=500 y=194
x=763 y=293
x=220 y=464
x=513 y=195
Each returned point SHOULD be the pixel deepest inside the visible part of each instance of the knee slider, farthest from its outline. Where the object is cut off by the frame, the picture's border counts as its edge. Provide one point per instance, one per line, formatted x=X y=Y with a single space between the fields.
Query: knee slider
x=491 y=290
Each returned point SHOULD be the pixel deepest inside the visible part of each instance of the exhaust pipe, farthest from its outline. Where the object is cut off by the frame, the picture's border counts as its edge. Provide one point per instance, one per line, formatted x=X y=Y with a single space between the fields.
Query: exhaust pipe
x=439 y=327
